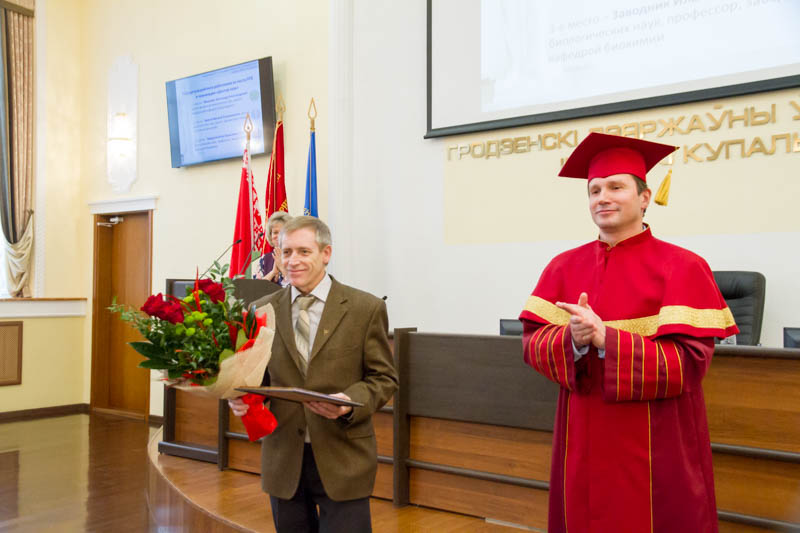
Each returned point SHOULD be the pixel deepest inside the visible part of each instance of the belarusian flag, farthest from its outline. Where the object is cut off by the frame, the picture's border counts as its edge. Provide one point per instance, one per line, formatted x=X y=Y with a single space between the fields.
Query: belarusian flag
x=249 y=231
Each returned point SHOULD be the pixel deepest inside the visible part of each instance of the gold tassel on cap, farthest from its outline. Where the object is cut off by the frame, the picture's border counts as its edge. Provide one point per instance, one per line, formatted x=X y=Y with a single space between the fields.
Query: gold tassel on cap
x=662 y=196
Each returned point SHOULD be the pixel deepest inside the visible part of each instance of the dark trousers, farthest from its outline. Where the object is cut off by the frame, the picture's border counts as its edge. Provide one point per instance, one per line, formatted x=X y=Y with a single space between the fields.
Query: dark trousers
x=300 y=514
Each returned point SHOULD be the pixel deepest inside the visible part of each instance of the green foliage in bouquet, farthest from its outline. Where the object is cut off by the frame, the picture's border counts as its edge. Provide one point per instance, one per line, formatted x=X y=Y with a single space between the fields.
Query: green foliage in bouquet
x=188 y=338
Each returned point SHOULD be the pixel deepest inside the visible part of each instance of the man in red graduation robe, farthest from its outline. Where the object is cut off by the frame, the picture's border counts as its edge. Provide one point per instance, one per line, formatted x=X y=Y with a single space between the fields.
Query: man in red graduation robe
x=625 y=325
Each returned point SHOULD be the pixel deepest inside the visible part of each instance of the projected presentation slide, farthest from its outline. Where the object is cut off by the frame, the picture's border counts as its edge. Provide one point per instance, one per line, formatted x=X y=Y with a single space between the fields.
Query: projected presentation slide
x=211 y=109
x=496 y=59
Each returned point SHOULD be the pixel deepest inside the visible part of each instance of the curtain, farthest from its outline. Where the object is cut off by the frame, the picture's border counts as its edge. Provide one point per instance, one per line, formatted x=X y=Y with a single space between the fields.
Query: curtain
x=16 y=146
x=26 y=5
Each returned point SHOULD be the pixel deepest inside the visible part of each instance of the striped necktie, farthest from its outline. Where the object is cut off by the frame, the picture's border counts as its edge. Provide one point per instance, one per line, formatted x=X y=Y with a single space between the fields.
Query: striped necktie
x=302 y=330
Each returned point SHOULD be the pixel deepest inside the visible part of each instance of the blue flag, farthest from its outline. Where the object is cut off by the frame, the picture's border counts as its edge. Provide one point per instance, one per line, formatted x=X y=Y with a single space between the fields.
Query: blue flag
x=310 y=207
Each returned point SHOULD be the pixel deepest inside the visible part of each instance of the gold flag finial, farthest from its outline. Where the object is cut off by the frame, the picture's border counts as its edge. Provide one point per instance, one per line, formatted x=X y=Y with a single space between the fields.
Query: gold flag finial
x=280 y=107
x=311 y=117
x=248 y=126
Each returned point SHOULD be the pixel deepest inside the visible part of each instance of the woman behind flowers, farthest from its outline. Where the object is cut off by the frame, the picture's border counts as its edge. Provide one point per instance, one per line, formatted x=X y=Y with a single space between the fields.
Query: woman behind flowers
x=271 y=265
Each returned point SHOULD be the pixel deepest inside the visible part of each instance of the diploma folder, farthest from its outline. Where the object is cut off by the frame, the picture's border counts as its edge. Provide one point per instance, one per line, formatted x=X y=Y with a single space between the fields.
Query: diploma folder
x=298 y=395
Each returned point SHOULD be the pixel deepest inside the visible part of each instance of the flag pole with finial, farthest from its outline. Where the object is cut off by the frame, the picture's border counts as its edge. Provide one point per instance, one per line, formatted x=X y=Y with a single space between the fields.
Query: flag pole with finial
x=312 y=107
x=280 y=107
x=248 y=130
x=310 y=207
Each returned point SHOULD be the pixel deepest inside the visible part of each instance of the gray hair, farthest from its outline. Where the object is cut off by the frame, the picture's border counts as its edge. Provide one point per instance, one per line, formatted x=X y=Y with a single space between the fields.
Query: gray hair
x=278 y=217
x=323 y=232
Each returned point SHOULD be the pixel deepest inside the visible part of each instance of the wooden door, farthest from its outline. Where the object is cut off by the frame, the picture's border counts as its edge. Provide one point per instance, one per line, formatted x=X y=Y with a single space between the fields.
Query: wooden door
x=122 y=269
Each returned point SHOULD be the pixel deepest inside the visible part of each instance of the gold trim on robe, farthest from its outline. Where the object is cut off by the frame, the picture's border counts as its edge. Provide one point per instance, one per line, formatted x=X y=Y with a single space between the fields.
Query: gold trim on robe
x=646 y=326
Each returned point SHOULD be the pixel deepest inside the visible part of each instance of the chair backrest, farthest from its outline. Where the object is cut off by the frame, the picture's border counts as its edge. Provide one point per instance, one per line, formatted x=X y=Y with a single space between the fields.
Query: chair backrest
x=744 y=293
x=510 y=326
x=246 y=289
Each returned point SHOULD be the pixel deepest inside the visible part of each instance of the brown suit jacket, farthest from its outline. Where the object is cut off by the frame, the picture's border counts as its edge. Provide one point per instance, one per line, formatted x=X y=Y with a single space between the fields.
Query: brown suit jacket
x=350 y=354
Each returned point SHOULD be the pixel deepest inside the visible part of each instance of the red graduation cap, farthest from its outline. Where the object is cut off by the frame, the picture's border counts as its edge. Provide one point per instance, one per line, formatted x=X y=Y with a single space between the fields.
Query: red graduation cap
x=601 y=155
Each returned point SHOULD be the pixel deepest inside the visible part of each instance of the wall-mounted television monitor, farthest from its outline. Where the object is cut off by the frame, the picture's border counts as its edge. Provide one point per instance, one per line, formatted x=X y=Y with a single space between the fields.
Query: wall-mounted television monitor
x=207 y=113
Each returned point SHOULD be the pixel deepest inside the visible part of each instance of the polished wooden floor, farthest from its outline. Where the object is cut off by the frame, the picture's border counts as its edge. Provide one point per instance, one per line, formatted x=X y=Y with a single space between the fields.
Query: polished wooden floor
x=90 y=473
x=74 y=473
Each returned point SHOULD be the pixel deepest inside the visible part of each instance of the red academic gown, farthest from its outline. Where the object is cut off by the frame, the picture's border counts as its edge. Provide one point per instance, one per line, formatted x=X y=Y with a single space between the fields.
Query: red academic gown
x=631 y=450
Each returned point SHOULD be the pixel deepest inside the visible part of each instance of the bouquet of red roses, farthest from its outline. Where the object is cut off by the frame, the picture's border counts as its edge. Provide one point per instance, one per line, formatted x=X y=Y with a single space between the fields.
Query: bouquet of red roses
x=208 y=343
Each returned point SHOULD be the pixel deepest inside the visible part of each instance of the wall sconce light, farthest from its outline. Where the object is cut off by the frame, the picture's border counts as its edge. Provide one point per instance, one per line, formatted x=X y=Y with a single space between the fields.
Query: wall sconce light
x=121 y=151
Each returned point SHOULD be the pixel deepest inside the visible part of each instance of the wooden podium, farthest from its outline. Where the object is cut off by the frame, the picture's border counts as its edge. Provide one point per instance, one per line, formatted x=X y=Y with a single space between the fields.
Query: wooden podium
x=470 y=431
x=473 y=431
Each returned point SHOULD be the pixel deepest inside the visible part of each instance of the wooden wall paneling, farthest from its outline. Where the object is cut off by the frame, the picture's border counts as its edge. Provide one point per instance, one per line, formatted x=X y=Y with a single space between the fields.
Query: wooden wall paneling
x=446 y=371
x=196 y=419
x=754 y=401
x=236 y=499
x=400 y=433
x=10 y=353
x=384 y=482
x=758 y=352
x=733 y=527
x=749 y=523
x=506 y=468
x=235 y=424
x=516 y=452
x=241 y=454
x=244 y=455
x=758 y=487
x=509 y=503
x=383 y=433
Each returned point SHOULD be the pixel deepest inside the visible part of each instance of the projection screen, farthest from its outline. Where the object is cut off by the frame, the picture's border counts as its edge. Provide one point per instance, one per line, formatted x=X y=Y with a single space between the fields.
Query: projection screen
x=502 y=63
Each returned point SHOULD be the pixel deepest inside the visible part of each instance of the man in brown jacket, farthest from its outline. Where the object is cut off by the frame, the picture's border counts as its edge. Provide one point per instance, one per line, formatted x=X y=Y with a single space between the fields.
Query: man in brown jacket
x=332 y=339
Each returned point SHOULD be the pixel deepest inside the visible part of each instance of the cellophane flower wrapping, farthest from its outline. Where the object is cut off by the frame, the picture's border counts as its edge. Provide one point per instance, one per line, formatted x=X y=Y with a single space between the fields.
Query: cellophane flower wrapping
x=208 y=343
x=245 y=369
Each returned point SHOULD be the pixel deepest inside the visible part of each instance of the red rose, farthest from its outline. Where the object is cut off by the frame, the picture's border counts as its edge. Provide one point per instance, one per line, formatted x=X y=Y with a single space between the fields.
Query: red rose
x=215 y=291
x=154 y=304
x=172 y=312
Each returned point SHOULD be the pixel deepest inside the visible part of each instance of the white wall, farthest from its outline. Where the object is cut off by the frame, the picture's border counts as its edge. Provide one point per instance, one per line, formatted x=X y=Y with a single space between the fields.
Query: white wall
x=195 y=208
x=387 y=192
x=397 y=227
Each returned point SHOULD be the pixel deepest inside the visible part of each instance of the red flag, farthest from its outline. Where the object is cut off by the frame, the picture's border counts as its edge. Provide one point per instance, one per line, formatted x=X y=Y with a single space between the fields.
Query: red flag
x=258 y=227
x=276 y=185
x=248 y=230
